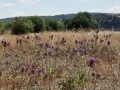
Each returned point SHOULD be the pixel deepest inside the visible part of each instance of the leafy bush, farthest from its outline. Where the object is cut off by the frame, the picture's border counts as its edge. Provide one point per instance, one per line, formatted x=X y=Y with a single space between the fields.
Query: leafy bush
x=21 y=26
x=52 y=24
x=81 y=20
x=39 y=24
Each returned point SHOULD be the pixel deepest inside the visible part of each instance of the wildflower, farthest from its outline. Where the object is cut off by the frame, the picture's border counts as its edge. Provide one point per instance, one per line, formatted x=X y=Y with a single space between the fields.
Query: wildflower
x=32 y=71
x=81 y=42
x=5 y=43
x=51 y=37
x=98 y=75
x=37 y=37
x=86 y=51
x=76 y=41
x=56 y=49
x=38 y=70
x=101 y=40
x=41 y=44
x=91 y=62
x=63 y=41
x=97 y=31
x=108 y=42
x=93 y=74
x=45 y=53
x=45 y=76
x=49 y=52
x=28 y=37
x=19 y=41
x=47 y=45
x=75 y=50
x=22 y=69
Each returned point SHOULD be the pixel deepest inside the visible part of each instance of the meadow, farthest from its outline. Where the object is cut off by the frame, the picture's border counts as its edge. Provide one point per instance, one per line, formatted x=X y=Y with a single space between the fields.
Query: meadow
x=60 y=61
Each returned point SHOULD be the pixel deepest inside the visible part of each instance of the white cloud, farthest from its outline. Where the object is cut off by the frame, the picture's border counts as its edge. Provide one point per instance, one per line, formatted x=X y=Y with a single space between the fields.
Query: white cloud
x=6 y=4
x=114 y=9
x=95 y=10
x=29 y=1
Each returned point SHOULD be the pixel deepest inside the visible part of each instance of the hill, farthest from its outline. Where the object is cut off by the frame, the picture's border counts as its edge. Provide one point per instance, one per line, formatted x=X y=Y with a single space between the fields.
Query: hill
x=106 y=20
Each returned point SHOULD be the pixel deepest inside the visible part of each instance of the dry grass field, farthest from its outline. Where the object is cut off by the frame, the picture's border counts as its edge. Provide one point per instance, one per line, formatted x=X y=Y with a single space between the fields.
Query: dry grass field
x=60 y=61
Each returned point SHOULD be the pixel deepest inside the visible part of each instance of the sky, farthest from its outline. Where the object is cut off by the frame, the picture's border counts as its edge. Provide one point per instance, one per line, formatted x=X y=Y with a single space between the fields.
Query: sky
x=13 y=8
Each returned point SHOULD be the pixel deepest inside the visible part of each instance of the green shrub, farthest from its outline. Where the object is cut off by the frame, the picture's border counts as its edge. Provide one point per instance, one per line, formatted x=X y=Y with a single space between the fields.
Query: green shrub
x=39 y=24
x=21 y=26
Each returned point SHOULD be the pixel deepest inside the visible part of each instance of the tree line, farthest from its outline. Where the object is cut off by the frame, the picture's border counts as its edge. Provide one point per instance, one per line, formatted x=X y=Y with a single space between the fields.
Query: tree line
x=35 y=24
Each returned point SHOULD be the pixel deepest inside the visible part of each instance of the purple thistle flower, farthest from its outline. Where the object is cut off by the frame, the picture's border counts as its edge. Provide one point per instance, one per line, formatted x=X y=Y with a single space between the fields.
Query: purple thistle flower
x=45 y=76
x=28 y=37
x=76 y=41
x=101 y=40
x=81 y=42
x=98 y=75
x=92 y=40
x=97 y=31
x=63 y=41
x=19 y=41
x=51 y=37
x=57 y=48
x=38 y=70
x=5 y=43
x=33 y=71
x=41 y=44
x=91 y=62
x=49 y=52
x=108 y=42
x=47 y=45
x=33 y=66
x=45 y=53
x=75 y=50
x=37 y=37
x=86 y=51
x=93 y=74
x=22 y=69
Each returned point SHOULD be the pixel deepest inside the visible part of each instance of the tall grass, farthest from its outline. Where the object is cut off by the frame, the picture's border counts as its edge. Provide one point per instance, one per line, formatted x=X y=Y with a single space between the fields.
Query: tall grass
x=60 y=61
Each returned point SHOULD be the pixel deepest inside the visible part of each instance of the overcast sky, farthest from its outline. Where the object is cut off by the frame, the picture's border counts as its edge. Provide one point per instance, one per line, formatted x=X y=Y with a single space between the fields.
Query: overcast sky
x=12 y=8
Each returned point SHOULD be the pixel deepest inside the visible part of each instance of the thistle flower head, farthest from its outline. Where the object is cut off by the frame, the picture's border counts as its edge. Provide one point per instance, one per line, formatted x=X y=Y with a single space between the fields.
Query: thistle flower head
x=51 y=37
x=98 y=75
x=5 y=43
x=28 y=37
x=92 y=40
x=37 y=37
x=91 y=62
x=97 y=31
x=57 y=48
x=101 y=40
x=108 y=42
x=18 y=40
x=76 y=41
x=41 y=44
x=63 y=41
x=75 y=50
x=49 y=52
x=47 y=45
